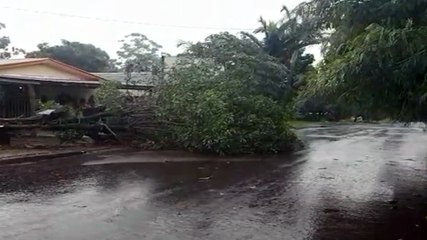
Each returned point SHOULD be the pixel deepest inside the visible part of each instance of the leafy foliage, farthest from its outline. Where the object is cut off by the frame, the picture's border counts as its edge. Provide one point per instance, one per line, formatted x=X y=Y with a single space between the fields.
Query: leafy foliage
x=375 y=58
x=286 y=40
x=227 y=96
x=6 y=51
x=139 y=54
x=81 y=55
x=50 y=104
x=109 y=95
x=228 y=52
x=69 y=135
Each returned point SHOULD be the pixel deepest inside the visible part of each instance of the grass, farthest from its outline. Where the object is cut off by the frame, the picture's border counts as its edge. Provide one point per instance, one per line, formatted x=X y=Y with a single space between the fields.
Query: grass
x=299 y=124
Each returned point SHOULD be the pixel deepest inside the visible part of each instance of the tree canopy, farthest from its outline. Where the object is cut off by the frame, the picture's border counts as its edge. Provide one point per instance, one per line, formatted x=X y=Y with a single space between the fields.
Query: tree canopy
x=286 y=40
x=375 y=55
x=139 y=54
x=85 y=56
x=7 y=51
x=226 y=96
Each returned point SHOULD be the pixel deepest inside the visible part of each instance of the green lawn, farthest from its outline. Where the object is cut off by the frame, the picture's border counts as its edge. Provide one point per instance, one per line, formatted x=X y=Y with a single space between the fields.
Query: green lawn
x=298 y=124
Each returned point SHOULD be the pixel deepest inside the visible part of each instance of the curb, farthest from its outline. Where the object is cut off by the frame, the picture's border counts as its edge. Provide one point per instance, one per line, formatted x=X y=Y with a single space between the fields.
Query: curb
x=39 y=157
x=46 y=156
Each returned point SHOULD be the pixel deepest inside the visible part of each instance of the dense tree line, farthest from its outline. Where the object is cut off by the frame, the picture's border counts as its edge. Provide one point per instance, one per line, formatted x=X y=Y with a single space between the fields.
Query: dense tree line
x=137 y=54
x=81 y=55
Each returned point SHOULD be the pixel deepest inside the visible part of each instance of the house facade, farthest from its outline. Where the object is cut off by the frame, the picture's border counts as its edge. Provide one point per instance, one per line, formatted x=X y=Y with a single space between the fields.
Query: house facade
x=26 y=82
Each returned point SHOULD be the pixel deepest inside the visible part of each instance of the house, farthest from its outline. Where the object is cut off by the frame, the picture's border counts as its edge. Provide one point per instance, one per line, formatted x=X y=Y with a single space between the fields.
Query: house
x=26 y=82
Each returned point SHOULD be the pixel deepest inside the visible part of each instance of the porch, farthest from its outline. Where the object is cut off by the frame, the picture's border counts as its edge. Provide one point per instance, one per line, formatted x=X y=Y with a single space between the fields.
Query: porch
x=24 y=83
x=22 y=99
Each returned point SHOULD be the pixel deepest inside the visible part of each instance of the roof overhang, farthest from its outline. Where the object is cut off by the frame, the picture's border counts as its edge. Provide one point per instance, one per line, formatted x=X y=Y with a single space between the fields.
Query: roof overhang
x=135 y=87
x=53 y=63
x=39 y=80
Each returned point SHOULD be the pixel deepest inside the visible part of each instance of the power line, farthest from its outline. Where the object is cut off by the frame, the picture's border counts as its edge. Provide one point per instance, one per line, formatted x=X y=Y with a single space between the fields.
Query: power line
x=124 y=21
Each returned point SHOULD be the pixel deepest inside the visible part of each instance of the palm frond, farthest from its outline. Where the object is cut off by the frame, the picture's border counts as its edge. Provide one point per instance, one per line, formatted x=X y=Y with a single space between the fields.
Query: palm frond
x=253 y=39
x=286 y=11
x=263 y=27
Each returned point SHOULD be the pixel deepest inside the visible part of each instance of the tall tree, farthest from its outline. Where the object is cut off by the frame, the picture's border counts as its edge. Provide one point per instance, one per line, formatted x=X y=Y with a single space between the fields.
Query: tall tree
x=287 y=39
x=81 y=55
x=7 y=51
x=139 y=54
x=375 y=56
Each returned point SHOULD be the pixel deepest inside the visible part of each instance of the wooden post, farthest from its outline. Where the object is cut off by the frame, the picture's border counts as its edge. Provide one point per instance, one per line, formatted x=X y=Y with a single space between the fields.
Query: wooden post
x=33 y=104
x=4 y=138
x=2 y=101
x=32 y=99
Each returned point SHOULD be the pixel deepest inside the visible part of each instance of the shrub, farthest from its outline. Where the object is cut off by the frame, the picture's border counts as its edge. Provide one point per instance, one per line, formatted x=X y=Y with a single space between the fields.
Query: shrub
x=47 y=105
x=69 y=135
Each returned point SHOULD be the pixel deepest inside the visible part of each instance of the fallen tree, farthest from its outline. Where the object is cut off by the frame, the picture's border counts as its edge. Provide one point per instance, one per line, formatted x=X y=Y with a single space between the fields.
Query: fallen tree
x=227 y=96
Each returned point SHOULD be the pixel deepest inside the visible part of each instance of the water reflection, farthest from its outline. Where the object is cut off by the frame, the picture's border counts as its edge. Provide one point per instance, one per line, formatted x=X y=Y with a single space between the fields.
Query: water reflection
x=340 y=189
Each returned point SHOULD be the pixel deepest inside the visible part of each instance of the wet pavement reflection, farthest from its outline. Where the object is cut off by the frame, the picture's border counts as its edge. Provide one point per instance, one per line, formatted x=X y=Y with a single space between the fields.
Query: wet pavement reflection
x=352 y=182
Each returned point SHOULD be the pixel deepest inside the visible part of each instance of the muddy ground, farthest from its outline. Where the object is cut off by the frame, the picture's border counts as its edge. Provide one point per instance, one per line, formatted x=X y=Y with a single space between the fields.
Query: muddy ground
x=352 y=182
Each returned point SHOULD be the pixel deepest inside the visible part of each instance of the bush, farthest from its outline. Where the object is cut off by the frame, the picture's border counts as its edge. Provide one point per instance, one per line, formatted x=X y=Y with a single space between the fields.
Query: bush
x=47 y=105
x=69 y=135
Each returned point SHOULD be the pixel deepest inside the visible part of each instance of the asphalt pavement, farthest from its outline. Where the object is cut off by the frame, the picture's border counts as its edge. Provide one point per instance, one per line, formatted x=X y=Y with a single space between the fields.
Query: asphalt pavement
x=351 y=182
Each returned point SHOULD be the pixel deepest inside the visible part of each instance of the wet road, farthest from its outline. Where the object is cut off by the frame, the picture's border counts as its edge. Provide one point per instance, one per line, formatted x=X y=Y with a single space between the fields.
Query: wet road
x=353 y=182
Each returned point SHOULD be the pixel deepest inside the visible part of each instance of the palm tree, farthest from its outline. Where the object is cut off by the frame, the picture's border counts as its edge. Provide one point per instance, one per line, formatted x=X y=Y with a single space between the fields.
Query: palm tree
x=287 y=40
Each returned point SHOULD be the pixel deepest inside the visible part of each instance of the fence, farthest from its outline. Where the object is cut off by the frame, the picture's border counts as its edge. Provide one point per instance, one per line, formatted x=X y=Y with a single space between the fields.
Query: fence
x=15 y=107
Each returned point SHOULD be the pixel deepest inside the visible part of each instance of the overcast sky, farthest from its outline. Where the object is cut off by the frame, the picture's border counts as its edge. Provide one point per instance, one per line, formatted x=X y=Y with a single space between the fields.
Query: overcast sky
x=104 y=22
